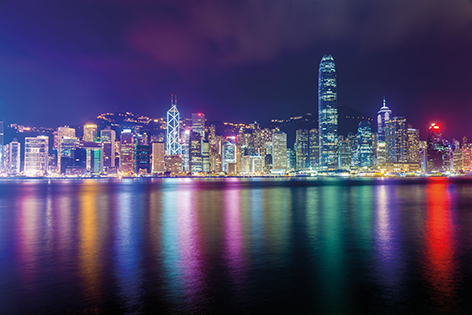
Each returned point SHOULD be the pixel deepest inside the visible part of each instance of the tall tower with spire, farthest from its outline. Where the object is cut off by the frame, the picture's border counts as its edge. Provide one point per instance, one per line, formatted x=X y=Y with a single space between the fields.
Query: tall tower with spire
x=327 y=114
x=173 y=128
x=383 y=115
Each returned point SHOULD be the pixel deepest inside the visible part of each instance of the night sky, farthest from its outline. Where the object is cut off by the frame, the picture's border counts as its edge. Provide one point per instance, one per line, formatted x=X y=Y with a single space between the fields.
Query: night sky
x=63 y=62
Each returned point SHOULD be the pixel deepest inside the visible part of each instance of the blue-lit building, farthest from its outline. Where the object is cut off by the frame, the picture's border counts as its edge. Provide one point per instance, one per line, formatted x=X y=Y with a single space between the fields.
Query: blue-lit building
x=173 y=129
x=364 y=144
x=328 y=114
x=383 y=115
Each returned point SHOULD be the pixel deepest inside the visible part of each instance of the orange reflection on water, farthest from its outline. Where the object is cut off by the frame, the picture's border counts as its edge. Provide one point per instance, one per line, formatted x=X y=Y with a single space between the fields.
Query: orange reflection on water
x=88 y=255
x=439 y=263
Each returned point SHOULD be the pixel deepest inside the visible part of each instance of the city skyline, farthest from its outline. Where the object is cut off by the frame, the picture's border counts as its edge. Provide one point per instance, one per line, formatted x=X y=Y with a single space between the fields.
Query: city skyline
x=54 y=62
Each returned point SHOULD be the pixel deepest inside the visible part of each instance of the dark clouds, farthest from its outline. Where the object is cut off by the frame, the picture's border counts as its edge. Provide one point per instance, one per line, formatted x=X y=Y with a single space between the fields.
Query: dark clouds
x=241 y=60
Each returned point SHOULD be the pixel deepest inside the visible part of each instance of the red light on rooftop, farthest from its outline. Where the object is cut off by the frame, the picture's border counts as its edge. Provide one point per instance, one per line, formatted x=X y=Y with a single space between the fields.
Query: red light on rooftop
x=199 y=114
x=436 y=127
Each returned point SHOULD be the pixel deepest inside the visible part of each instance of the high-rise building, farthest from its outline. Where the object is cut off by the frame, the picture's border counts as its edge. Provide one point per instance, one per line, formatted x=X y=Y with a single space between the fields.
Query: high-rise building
x=158 y=157
x=279 y=152
x=174 y=164
x=1 y=144
x=64 y=154
x=345 y=153
x=14 y=161
x=198 y=123
x=127 y=153
x=364 y=144
x=108 y=140
x=143 y=159
x=36 y=155
x=228 y=155
x=195 y=157
x=383 y=115
x=314 y=148
x=413 y=141
x=206 y=156
x=396 y=140
x=302 y=149
x=328 y=114
x=60 y=133
x=438 y=152
x=173 y=129
x=90 y=133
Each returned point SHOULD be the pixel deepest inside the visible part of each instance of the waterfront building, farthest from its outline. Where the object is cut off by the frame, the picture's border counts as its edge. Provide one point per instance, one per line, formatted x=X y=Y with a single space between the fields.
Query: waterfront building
x=36 y=155
x=14 y=162
x=205 y=156
x=158 y=157
x=195 y=157
x=174 y=164
x=228 y=154
x=279 y=152
x=127 y=153
x=302 y=149
x=327 y=114
x=345 y=153
x=108 y=141
x=60 y=133
x=143 y=159
x=313 y=148
x=64 y=155
x=396 y=140
x=1 y=144
x=413 y=145
x=198 y=123
x=185 y=145
x=90 y=133
x=383 y=115
x=173 y=129
x=438 y=152
x=364 y=144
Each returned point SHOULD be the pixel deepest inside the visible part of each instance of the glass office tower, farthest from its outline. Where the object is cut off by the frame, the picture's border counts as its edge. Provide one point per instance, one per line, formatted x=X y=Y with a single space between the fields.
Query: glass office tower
x=328 y=114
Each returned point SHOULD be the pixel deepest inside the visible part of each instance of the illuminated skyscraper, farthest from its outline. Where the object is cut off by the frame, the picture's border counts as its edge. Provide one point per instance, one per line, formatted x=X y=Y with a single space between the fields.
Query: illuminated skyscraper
x=364 y=144
x=195 y=160
x=314 y=148
x=173 y=129
x=36 y=155
x=228 y=154
x=198 y=123
x=279 y=152
x=413 y=138
x=60 y=133
x=108 y=140
x=127 y=153
x=396 y=140
x=1 y=145
x=383 y=115
x=345 y=153
x=14 y=157
x=302 y=152
x=328 y=114
x=438 y=152
x=158 y=157
x=90 y=133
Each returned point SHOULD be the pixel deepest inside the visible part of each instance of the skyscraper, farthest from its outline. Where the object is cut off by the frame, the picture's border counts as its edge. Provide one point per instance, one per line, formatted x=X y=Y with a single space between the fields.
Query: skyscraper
x=108 y=140
x=302 y=149
x=1 y=145
x=14 y=158
x=328 y=114
x=90 y=133
x=173 y=128
x=158 y=157
x=127 y=153
x=198 y=123
x=36 y=155
x=195 y=157
x=364 y=141
x=279 y=152
x=383 y=115
x=396 y=140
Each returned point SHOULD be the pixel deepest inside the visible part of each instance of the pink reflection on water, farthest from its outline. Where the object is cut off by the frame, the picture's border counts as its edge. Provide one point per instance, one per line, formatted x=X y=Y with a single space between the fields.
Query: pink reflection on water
x=234 y=253
x=189 y=244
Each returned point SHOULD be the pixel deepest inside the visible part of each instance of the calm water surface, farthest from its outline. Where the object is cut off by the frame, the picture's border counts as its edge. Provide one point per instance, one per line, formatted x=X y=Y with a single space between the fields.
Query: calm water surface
x=197 y=246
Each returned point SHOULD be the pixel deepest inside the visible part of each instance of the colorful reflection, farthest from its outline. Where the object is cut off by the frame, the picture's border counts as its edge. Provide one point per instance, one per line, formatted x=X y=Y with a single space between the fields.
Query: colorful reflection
x=390 y=265
x=128 y=269
x=89 y=240
x=181 y=248
x=439 y=263
x=234 y=242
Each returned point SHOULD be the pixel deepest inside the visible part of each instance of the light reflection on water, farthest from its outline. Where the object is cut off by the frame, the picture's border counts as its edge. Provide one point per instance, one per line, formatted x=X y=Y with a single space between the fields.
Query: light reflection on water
x=233 y=246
